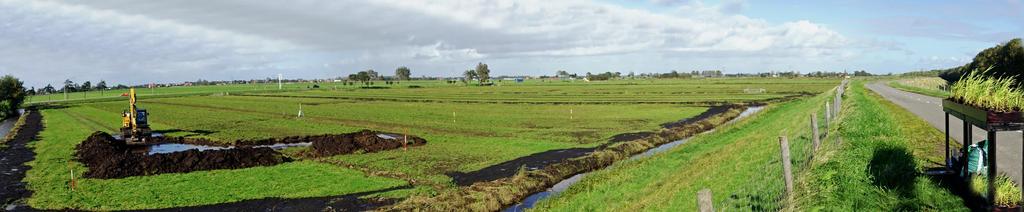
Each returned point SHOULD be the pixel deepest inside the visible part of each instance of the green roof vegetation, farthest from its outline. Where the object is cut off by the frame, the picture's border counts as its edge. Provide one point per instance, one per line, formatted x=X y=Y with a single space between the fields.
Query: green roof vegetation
x=989 y=92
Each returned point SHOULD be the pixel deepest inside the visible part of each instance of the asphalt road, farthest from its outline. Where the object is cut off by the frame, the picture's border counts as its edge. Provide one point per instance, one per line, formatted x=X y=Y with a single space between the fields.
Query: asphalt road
x=1008 y=144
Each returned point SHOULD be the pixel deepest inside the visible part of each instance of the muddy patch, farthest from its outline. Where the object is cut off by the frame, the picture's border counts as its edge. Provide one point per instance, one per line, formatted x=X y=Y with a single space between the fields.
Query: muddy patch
x=710 y=112
x=108 y=158
x=365 y=141
x=508 y=168
x=13 y=159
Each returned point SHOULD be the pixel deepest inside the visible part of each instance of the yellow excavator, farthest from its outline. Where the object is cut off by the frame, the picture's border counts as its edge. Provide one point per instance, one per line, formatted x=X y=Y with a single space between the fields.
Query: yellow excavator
x=134 y=122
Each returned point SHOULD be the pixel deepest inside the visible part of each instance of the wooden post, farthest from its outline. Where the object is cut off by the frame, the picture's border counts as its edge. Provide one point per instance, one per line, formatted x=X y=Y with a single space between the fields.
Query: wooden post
x=814 y=131
x=786 y=164
x=704 y=201
x=828 y=115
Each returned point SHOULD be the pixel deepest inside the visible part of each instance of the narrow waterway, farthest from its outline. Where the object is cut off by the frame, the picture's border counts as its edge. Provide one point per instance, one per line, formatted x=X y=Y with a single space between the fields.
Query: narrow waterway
x=7 y=124
x=561 y=186
x=165 y=148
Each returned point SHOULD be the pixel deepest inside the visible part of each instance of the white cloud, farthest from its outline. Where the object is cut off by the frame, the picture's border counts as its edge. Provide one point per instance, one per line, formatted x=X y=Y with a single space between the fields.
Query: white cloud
x=188 y=39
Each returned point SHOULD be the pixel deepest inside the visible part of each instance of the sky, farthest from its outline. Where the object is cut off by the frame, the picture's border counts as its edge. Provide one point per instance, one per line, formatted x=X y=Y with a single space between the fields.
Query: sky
x=137 y=42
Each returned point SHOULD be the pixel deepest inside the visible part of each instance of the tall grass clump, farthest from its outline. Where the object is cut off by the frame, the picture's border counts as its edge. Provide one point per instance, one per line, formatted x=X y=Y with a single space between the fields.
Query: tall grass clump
x=992 y=93
x=1007 y=192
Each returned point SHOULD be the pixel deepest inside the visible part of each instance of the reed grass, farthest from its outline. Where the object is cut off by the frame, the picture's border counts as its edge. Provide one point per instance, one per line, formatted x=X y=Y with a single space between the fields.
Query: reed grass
x=1007 y=192
x=993 y=93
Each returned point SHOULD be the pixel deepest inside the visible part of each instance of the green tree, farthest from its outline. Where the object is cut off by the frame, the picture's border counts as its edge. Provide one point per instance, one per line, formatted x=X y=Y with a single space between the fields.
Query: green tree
x=101 y=86
x=86 y=86
x=483 y=73
x=362 y=76
x=68 y=85
x=12 y=94
x=403 y=73
x=468 y=76
x=561 y=73
x=49 y=89
x=373 y=74
x=1006 y=60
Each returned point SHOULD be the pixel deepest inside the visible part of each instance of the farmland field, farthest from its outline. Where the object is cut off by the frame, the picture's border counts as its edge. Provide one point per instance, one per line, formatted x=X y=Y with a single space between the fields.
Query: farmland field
x=932 y=86
x=468 y=128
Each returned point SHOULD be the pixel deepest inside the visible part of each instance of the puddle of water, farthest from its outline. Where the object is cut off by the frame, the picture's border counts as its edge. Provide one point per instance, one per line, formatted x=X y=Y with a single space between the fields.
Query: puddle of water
x=7 y=124
x=173 y=147
x=169 y=148
x=561 y=186
x=386 y=136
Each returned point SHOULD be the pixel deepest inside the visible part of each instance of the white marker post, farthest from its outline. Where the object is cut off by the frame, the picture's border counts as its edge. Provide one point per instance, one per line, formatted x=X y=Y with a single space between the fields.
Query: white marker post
x=279 y=86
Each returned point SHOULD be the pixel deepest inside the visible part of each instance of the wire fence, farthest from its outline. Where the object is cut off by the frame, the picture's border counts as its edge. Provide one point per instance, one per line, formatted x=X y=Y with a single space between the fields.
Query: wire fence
x=767 y=190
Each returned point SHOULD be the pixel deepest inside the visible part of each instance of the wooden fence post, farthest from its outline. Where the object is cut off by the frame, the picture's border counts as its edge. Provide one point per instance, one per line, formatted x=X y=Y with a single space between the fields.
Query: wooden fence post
x=704 y=201
x=814 y=131
x=786 y=164
x=828 y=116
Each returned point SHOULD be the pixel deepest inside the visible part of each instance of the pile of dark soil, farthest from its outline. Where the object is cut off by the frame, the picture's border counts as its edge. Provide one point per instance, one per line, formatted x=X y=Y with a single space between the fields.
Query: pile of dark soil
x=365 y=141
x=109 y=158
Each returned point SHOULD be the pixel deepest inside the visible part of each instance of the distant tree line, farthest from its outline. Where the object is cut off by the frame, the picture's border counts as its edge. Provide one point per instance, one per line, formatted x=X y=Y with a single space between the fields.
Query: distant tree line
x=1005 y=60
x=928 y=73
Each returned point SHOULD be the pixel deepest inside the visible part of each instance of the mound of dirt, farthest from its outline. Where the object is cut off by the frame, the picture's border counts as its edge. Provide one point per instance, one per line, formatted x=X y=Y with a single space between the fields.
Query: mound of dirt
x=365 y=141
x=109 y=158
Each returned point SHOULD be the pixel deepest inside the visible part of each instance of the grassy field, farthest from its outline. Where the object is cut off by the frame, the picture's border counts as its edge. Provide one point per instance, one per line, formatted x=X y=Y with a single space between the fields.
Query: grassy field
x=477 y=135
x=733 y=162
x=931 y=86
x=619 y=91
x=869 y=169
x=879 y=165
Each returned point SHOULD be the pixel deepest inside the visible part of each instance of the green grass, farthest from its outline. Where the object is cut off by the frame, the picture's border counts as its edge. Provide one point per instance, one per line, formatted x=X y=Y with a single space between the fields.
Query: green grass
x=879 y=165
x=732 y=161
x=1007 y=192
x=480 y=134
x=931 y=86
x=989 y=92
x=603 y=92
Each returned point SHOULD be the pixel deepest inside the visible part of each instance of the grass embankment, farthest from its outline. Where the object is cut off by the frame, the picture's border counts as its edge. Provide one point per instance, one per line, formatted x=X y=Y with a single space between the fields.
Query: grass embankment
x=739 y=163
x=879 y=165
x=930 y=86
x=493 y=195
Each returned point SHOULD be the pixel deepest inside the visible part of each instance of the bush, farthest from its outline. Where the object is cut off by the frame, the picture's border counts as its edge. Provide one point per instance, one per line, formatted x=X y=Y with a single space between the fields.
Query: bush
x=12 y=94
